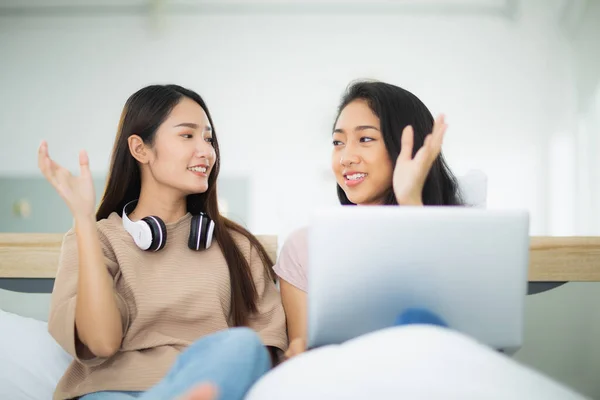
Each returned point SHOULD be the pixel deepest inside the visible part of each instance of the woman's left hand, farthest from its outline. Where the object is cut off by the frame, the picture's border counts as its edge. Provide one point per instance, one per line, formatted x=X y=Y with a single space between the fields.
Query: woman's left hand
x=410 y=172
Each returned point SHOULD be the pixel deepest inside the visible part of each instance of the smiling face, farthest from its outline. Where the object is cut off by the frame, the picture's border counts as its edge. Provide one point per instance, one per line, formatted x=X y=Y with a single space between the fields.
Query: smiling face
x=360 y=160
x=181 y=156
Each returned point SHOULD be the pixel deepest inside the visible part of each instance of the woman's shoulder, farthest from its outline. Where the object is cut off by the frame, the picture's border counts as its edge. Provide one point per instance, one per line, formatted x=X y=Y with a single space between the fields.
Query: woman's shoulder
x=240 y=239
x=109 y=229
x=297 y=241
x=293 y=259
x=110 y=233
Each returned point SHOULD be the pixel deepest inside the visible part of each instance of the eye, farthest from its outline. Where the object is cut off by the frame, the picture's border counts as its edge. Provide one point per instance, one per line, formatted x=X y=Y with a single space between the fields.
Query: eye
x=209 y=139
x=366 y=139
x=187 y=136
x=337 y=143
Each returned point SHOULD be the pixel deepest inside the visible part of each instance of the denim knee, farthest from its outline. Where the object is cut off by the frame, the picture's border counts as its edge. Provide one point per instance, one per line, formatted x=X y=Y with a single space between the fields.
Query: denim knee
x=242 y=336
x=236 y=339
x=245 y=344
x=240 y=342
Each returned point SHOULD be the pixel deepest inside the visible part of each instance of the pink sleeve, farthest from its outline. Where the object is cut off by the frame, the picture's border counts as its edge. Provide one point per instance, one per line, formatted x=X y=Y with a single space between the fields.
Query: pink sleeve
x=292 y=262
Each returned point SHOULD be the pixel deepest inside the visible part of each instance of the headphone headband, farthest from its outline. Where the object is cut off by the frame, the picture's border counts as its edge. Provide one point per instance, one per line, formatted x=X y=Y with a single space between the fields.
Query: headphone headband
x=139 y=231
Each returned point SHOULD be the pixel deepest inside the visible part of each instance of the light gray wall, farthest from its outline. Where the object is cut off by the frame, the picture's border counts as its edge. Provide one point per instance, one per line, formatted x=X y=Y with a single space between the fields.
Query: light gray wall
x=50 y=214
x=562 y=336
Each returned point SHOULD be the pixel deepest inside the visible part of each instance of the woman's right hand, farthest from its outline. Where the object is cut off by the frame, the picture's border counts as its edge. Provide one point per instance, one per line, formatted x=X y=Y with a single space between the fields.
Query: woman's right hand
x=411 y=172
x=77 y=191
x=297 y=346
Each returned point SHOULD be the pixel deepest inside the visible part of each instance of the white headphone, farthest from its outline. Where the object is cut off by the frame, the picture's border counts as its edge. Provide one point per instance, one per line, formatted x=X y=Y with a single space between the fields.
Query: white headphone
x=150 y=233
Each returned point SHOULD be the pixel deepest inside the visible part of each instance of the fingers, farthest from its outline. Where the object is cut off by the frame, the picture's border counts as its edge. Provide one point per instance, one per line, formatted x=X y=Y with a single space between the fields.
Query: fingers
x=406 y=144
x=296 y=347
x=45 y=164
x=84 y=163
x=439 y=129
x=42 y=152
x=43 y=158
x=291 y=352
x=54 y=173
x=433 y=142
x=202 y=392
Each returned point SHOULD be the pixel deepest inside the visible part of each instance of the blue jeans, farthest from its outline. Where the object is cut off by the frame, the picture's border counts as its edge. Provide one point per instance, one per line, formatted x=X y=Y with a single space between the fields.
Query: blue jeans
x=421 y=316
x=232 y=360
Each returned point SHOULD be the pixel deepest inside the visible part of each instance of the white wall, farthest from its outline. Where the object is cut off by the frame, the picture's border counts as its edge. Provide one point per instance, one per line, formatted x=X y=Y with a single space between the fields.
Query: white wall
x=273 y=82
x=585 y=53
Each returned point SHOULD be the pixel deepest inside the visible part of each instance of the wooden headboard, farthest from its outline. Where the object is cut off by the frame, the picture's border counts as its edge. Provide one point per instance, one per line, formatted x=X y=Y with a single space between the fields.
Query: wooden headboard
x=552 y=259
x=35 y=255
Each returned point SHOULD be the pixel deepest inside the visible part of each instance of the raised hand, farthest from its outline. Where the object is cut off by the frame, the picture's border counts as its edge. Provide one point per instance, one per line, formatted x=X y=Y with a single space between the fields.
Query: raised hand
x=77 y=191
x=410 y=172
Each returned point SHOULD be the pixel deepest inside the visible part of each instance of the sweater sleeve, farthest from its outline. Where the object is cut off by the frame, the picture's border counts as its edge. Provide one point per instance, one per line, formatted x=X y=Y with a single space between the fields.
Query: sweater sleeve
x=61 y=322
x=269 y=322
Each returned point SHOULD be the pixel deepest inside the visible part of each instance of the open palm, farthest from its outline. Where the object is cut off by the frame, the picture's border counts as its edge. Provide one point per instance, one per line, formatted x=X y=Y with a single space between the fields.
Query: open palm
x=77 y=191
x=410 y=172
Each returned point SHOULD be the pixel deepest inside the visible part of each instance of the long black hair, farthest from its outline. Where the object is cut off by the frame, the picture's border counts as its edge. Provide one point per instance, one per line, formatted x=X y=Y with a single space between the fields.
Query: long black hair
x=397 y=108
x=142 y=114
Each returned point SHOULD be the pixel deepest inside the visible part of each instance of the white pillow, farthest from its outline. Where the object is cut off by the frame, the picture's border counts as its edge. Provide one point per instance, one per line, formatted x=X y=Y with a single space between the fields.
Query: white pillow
x=473 y=188
x=31 y=362
x=410 y=362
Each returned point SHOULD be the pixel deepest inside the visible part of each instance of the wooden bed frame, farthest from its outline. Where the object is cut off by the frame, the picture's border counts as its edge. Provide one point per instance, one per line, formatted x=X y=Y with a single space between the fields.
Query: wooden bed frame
x=552 y=259
x=35 y=255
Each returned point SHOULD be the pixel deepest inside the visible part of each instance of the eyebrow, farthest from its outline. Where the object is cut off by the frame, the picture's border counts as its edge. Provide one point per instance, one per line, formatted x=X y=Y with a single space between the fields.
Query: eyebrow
x=357 y=129
x=192 y=126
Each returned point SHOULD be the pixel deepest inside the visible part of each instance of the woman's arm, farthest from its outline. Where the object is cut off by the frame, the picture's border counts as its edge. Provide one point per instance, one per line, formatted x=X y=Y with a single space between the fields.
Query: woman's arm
x=291 y=269
x=87 y=316
x=294 y=303
x=84 y=305
x=97 y=319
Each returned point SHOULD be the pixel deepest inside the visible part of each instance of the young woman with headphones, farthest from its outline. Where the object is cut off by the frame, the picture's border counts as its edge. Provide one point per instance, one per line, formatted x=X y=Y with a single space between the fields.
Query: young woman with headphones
x=156 y=291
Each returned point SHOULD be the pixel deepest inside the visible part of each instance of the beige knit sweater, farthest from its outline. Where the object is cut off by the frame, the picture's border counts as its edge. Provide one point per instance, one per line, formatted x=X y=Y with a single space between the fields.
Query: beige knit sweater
x=168 y=299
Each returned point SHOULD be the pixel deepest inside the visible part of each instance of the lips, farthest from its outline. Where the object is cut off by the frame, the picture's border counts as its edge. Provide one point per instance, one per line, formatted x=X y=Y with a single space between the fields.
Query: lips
x=353 y=178
x=198 y=168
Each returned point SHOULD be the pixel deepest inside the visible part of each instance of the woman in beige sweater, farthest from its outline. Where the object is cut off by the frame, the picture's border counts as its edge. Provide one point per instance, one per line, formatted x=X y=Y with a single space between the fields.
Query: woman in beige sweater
x=156 y=291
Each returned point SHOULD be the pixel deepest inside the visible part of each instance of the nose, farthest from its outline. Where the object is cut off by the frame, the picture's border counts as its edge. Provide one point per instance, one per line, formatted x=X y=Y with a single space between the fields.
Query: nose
x=204 y=149
x=349 y=157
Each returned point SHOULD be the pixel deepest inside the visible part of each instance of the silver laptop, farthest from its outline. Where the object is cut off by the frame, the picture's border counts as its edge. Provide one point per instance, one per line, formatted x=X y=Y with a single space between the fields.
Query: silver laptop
x=369 y=264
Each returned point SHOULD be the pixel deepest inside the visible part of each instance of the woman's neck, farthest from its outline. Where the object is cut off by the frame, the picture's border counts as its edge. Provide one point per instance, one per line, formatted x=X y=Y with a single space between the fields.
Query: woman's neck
x=164 y=204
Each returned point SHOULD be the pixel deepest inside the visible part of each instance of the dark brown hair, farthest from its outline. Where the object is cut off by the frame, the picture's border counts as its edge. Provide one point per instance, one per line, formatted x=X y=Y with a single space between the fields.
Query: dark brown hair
x=143 y=113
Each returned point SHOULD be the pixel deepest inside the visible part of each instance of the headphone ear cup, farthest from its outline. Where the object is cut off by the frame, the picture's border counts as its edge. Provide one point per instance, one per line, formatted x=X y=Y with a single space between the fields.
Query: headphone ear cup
x=204 y=221
x=209 y=232
x=201 y=229
x=193 y=242
x=159 y=232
